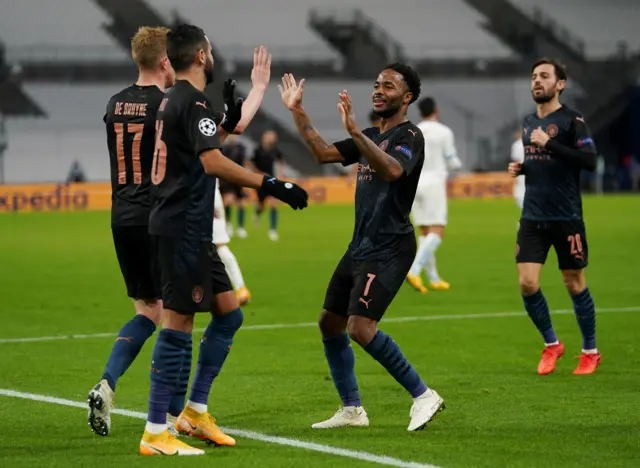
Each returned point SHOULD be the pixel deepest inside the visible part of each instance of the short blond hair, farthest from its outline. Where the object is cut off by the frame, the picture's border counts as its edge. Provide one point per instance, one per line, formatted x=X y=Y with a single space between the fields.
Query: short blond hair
x=149 y=46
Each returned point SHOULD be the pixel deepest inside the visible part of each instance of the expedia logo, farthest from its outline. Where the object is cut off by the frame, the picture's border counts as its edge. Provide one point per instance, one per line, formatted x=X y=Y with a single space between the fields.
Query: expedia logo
x=59 y=199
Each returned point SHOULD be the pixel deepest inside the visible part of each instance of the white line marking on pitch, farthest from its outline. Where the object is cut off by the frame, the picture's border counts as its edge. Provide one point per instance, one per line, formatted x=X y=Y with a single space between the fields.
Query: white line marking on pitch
x=275 y=326
x=355 y=454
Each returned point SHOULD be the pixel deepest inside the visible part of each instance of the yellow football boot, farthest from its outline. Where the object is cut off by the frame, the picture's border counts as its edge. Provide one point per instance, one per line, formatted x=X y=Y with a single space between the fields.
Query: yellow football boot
x=202 y=426
x=165 y=444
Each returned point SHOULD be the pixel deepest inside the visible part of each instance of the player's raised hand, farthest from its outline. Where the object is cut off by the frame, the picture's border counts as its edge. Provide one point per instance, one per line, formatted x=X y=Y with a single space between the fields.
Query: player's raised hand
x=261 y=72
x=539 y=137
x=515 y=169
x=293 y=195
x=233 y=106
x=291 y=92
x=345 y=107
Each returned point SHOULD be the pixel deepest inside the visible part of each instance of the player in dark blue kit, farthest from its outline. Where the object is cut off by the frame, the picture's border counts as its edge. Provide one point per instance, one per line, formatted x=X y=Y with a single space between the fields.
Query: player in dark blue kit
x=558 y=146
x=383 y=246
x=192 y=276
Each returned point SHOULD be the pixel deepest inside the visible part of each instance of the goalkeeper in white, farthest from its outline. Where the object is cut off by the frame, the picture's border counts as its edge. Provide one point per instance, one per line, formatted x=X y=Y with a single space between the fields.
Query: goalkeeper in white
x=429 y=211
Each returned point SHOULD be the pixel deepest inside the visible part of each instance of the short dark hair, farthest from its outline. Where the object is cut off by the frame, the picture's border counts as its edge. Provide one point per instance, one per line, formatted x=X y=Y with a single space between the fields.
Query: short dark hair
x=183 y=42
x=559 y=68
x=409 y=76
x=427 y=106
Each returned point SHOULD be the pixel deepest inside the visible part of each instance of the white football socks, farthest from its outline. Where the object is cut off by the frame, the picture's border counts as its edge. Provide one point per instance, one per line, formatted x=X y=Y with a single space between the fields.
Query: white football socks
x=153 y=428
x=232 y=266
x=198 y=407
x=427 y=246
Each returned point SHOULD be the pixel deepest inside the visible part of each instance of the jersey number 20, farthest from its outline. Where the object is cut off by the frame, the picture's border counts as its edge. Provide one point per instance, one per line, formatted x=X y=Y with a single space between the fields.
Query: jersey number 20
x=159 y=167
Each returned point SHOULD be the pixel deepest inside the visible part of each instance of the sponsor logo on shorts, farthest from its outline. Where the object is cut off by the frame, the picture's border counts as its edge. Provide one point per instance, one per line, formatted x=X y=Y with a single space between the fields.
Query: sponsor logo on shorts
x=197 y=294
x=366 y=303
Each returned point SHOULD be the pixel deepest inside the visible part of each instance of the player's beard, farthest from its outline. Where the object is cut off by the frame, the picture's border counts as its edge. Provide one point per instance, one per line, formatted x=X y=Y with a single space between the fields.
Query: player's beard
x=208 y=71
x=545 y=97
x=392 y=109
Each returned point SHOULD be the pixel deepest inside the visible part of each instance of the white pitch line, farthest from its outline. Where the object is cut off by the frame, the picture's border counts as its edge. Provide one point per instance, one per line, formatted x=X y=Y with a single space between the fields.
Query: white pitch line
x=328 y=449
x=276 y=326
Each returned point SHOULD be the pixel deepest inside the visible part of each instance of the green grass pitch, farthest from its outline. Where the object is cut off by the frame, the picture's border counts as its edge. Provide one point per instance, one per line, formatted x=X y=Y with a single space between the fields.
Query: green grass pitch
x=59 y=276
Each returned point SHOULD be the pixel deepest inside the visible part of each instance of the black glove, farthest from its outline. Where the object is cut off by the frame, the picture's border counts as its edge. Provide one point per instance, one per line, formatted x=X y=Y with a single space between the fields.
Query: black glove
x=293 y=195
x=233 y=107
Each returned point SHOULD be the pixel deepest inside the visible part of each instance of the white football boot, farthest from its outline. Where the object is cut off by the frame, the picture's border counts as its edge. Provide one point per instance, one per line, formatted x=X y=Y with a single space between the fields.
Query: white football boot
x=100 y=404
x=424 y=409
x=354 y=416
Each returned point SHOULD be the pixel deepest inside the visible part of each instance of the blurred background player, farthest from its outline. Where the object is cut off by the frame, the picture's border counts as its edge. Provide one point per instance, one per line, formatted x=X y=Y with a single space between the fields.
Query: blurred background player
x=130 y=123
x=234 y=195
x=429 y=211
x=221 y=239
x=383 y=246
x=267 y=160
x=517 y=155
x=193 y=278
x=558 y=146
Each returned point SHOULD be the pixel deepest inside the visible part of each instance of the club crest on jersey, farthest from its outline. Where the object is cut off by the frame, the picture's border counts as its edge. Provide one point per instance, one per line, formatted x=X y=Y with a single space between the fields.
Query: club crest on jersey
x=207 y=127
x=384 y=145
x=552 y=130
x=197 y=294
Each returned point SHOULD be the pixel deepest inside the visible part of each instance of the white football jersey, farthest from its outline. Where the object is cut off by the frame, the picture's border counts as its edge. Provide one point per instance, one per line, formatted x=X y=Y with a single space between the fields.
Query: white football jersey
x=439 y=151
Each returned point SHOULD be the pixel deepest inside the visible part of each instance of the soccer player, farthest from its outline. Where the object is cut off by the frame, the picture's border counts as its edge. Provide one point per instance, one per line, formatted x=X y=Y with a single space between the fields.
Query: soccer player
x=517 y=155
x=221 y=241
x=429 y=209
x=383 y=246
x=267 y=160
x=234 y=195
x=193 y=279
x=557 y=145
x=130 y=123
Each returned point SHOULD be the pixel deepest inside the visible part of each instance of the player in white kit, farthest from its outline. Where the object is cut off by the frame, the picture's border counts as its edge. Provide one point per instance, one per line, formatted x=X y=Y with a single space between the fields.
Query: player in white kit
x=221 y=239
x=517 y=155
x=429 y=211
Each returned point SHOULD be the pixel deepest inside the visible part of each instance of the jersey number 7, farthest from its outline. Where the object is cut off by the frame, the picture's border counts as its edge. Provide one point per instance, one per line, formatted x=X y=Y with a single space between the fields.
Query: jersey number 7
x=136 y=130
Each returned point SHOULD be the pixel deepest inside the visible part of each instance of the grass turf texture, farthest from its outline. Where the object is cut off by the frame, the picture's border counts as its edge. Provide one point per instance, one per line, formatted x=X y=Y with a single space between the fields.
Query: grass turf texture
x=60 y=276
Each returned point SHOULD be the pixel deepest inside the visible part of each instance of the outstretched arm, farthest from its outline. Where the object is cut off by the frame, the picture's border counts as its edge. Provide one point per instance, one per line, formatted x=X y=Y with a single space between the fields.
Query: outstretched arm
x=260 y=76
x=323 y=151
x=291 y=93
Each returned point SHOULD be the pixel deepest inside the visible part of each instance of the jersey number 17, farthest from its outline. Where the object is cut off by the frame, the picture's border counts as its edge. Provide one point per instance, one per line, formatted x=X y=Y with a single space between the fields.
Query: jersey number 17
x=120 y=130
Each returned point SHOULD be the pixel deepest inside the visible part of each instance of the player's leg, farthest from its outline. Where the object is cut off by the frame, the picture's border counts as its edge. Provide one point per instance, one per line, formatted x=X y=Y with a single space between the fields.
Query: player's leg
x=232 y=267
x=221 y=239
x=338 y=350
x=273 y=218
x=134 y=257
x=259 y=208
x=420 y=215
x=239 y=203
x=228 y=202
x=573 y=257
x=215 y=345
x=375 y=288
x=436 y=222
x=532 y=247
x=434 y=237
x=166 y=368
x=184 y=267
